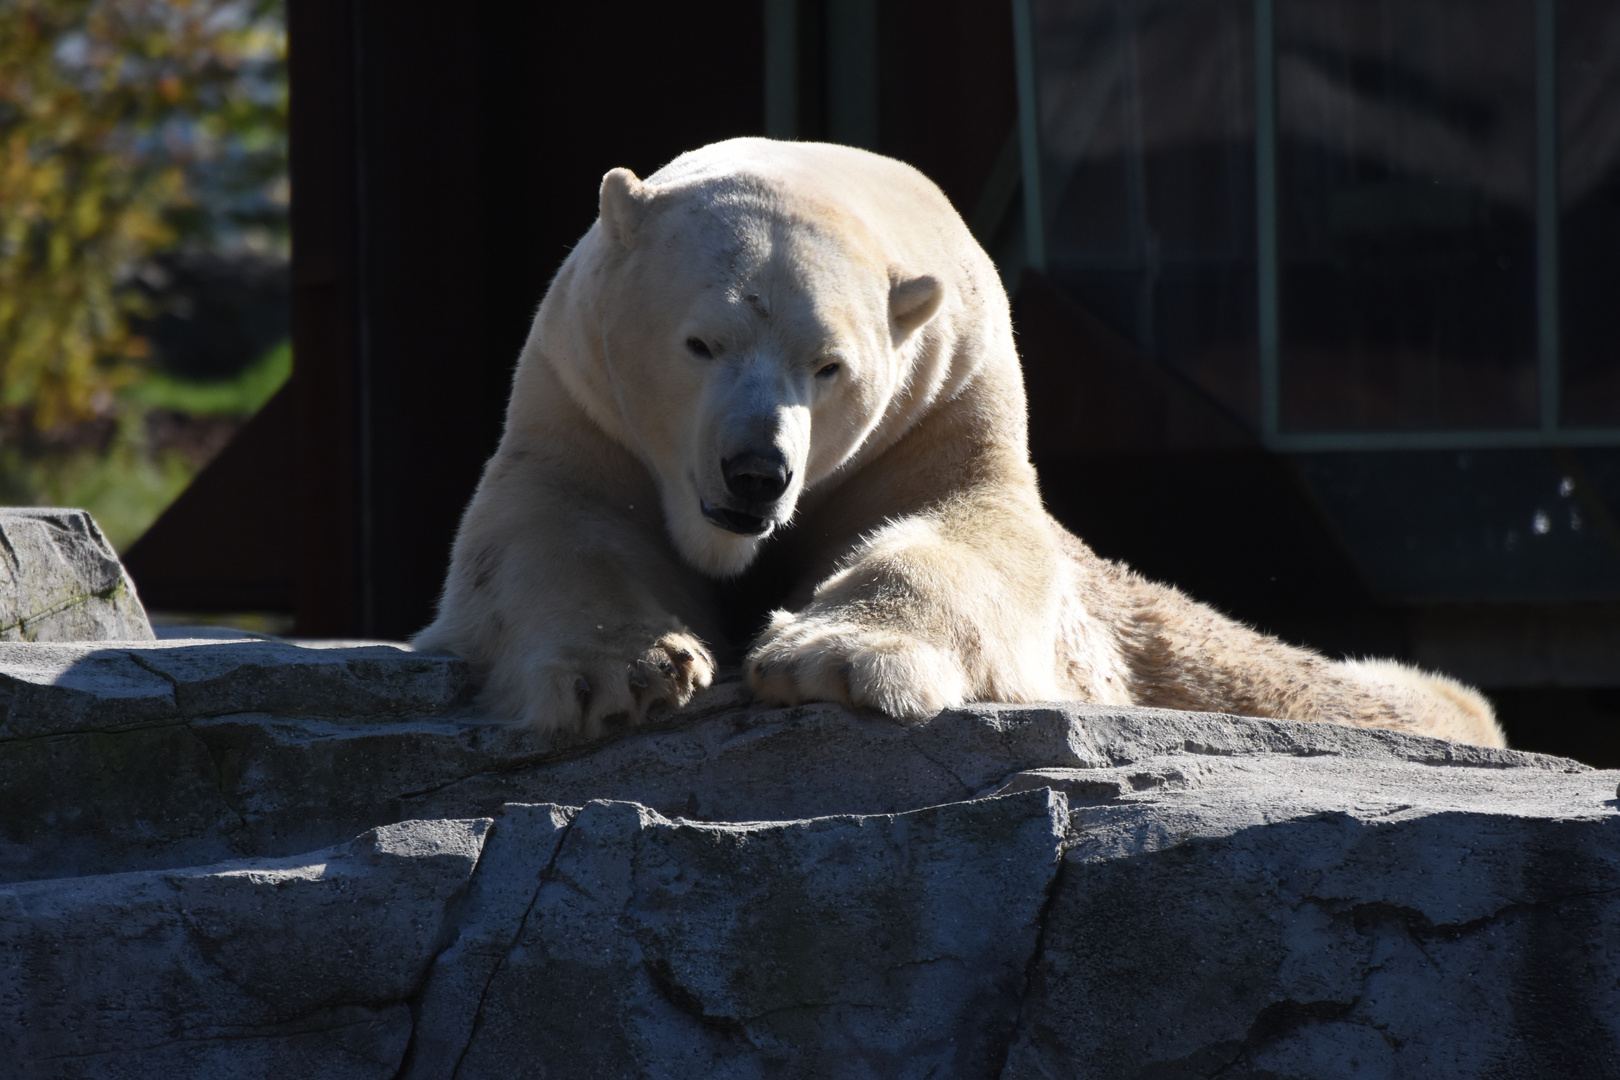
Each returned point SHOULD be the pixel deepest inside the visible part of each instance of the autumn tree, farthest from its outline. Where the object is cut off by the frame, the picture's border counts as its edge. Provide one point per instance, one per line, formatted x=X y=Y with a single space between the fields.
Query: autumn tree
x=114 y=115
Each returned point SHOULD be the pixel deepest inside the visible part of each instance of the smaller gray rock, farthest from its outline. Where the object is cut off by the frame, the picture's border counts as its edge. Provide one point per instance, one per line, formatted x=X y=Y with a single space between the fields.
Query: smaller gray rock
x=61 y=581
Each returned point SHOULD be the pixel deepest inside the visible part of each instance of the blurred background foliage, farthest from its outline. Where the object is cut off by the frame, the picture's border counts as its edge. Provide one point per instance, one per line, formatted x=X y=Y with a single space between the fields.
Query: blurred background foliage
x=143 y=244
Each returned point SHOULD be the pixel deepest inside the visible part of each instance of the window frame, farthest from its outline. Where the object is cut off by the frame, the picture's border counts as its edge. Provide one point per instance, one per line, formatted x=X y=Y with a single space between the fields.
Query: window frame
x=1548 y=433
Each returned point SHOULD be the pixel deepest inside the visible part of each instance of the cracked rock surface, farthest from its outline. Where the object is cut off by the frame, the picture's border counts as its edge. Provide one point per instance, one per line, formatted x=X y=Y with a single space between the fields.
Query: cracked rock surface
x=252 y=858
x=301 y=966
x=61 y=581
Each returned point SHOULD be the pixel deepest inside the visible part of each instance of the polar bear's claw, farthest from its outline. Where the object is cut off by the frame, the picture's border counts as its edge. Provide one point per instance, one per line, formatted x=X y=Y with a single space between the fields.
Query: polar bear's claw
x=676 y=667
x=590 y=694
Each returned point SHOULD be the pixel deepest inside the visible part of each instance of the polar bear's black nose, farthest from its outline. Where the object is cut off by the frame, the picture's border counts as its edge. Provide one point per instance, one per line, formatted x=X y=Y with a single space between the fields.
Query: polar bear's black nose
x=759 y=476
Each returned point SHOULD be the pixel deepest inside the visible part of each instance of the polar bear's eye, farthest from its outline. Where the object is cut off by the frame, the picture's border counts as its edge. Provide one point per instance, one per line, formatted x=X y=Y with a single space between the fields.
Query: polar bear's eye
x=698 y=347
x=827 y=371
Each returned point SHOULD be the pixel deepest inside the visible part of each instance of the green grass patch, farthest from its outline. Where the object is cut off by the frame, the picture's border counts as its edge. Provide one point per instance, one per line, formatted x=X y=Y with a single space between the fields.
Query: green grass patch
x=243 y=395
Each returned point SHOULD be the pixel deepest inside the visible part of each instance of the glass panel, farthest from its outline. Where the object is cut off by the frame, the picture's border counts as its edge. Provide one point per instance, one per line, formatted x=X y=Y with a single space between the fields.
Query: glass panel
x=1589 y=209
x=1147 y=145
x=1406 y=162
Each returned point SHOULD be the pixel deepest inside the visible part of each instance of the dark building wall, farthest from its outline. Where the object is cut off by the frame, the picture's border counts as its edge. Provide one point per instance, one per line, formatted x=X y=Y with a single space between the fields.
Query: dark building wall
x=445 y=159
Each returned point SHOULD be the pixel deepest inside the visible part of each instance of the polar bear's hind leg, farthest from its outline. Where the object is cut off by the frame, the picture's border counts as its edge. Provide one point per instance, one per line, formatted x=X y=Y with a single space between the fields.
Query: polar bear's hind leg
x=1437 y=704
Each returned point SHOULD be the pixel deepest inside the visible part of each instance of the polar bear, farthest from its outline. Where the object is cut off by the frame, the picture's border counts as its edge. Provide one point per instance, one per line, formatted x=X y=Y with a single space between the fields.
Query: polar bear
x=799 y=349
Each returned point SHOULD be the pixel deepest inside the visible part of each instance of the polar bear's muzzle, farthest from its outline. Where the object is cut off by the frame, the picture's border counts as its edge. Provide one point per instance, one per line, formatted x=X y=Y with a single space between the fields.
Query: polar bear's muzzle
x=755 y=481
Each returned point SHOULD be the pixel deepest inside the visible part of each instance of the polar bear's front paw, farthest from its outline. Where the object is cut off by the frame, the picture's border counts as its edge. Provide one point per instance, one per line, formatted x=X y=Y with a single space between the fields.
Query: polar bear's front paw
x=592 y=689
x=823 y=658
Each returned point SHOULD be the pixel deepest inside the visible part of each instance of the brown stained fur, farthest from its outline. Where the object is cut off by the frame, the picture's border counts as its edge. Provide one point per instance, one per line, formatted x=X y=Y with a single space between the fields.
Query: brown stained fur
x=1185 y=655
x=485 y=564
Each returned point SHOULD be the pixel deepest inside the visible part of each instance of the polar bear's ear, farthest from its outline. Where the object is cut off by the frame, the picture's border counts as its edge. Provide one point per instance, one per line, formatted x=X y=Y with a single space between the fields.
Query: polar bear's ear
x=912 y=301
x=624 y=204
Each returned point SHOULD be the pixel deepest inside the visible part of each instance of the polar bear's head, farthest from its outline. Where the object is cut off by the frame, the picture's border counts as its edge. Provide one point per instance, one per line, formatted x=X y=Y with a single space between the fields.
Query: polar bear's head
x=746 y=341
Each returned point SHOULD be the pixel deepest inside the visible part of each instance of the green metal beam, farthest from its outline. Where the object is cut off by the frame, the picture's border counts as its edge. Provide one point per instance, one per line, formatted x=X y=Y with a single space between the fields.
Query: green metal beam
x=1029 y=129
x=1265 y=195
x=1547 y=313
x=782 y=69
x=1502 y=439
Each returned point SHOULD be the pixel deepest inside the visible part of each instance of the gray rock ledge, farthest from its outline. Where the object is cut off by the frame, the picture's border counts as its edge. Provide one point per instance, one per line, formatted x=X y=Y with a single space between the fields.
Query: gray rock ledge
x=740 y=891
